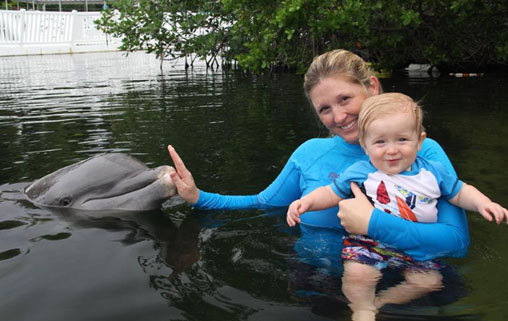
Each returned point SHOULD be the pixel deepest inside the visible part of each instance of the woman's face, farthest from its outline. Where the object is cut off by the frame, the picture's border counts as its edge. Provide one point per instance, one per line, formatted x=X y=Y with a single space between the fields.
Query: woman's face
x=337 y=102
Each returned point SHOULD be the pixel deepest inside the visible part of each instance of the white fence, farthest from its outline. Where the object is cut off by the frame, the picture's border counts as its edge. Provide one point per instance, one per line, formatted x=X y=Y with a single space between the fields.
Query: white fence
x=40 y=32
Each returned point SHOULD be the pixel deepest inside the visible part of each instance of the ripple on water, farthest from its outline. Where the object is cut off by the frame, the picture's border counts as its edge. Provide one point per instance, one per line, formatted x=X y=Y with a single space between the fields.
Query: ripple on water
x=9 y=224
x=9 y=254
x=52 y=237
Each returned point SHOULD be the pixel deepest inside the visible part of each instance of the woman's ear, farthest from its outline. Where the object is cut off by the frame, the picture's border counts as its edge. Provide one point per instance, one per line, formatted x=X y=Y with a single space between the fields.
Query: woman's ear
x=375 y=87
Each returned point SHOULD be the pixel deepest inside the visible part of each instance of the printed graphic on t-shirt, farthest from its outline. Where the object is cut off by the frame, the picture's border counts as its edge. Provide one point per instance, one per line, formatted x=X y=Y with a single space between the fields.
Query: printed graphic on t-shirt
x=396 y=194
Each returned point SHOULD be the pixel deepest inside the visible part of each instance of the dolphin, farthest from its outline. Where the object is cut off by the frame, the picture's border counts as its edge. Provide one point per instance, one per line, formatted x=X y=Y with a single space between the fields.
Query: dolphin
x=111 y=181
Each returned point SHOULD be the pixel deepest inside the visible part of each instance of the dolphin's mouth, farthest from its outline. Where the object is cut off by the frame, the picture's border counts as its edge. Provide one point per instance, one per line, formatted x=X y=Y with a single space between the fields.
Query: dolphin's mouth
x=121 y=192
x=160 y=188
x=114 y=196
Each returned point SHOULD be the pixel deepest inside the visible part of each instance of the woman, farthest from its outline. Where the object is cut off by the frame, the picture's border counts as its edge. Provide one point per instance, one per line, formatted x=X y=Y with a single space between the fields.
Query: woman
x=336 y=84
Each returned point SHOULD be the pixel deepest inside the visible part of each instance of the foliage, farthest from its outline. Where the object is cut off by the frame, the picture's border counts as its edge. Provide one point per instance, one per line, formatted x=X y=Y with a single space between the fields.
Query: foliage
x=10 y=5
x=141 y=26
x=169 y=29
x=267 y=34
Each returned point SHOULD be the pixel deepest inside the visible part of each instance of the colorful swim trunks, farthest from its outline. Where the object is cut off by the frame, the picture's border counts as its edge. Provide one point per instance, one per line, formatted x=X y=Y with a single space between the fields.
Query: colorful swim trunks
x=368 y=251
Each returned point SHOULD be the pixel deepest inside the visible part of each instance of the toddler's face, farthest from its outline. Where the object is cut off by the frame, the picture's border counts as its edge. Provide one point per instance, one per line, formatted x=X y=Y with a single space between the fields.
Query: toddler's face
x=391 y=142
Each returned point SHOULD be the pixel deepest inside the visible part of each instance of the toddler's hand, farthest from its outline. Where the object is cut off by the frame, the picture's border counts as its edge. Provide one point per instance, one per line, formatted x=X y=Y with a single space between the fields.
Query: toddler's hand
x=296 y=209
x=495 y=211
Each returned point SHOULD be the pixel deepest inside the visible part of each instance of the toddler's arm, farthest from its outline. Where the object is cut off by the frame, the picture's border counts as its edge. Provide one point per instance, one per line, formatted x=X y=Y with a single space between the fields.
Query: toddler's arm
x=471 y=199
x=319 y=199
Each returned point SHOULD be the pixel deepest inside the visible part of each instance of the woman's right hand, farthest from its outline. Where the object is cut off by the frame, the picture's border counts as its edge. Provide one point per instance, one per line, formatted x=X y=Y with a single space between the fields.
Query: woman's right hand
x=182 y=178
x=355 y=213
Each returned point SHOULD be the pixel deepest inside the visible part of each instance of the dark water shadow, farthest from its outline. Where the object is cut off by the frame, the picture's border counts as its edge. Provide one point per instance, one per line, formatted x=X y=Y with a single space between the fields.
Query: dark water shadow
x=177 y=243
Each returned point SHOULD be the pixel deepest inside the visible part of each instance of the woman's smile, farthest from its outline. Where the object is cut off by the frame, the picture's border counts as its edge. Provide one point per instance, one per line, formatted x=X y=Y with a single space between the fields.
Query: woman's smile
x=349 y=125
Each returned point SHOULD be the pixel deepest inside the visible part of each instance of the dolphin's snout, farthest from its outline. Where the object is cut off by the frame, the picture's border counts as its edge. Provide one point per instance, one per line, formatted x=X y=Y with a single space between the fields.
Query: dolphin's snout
x=164 y=178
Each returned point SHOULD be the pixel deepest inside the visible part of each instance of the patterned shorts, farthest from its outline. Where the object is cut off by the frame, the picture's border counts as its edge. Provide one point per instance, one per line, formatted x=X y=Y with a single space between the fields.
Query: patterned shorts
x=367 y=251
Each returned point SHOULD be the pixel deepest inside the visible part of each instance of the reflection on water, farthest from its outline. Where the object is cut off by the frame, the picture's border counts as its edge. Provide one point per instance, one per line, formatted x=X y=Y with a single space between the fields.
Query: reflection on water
x=70 y=103
x=235 y=131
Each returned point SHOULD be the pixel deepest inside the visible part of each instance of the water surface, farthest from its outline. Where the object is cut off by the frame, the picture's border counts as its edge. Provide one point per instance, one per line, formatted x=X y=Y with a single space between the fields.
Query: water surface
x=235 y=131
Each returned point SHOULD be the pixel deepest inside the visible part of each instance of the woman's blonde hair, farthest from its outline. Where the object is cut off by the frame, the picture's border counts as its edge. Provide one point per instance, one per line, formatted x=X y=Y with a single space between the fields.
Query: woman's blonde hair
x=334 y=63
x=377 y=106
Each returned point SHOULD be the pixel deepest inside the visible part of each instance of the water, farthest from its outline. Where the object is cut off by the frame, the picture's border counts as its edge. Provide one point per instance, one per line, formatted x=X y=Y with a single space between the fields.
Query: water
x=235 y=131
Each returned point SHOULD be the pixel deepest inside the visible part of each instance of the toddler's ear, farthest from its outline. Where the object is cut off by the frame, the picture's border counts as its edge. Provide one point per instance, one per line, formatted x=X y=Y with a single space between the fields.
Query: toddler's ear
x=421 y=139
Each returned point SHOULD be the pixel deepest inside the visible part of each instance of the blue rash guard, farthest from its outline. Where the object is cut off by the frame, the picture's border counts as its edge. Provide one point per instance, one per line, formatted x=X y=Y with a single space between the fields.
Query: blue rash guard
x=318 y=162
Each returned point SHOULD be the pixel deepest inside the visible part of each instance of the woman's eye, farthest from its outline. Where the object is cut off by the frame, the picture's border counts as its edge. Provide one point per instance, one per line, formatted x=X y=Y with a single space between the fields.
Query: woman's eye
x=344 y=99
x=380 y=141
x=323 y=109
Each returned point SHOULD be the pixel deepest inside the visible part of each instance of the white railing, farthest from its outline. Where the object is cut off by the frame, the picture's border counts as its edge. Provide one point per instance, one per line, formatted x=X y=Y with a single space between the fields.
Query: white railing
x=39 y=32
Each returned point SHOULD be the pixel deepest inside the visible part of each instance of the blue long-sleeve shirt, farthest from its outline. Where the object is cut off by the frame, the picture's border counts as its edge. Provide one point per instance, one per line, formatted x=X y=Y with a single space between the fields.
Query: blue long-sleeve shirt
x=316 y=163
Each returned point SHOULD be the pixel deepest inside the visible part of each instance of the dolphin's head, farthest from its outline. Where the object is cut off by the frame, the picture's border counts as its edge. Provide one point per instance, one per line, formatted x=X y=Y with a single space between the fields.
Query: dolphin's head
x=112 y=181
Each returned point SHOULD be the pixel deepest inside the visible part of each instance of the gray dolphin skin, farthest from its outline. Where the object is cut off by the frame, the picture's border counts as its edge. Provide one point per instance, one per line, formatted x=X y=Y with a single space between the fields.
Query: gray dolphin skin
x=112 y=181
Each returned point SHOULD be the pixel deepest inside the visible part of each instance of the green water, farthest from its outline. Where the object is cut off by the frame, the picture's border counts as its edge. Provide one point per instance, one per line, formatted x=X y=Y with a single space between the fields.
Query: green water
x=235 y=131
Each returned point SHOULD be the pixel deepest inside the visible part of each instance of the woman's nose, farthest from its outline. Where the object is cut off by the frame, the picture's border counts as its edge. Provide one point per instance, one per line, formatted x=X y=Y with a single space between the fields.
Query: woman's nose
x=339 y=115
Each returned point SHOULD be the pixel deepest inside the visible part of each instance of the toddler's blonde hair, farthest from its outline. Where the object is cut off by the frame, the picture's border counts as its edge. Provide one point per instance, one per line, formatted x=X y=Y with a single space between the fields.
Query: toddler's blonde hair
x=377 y=106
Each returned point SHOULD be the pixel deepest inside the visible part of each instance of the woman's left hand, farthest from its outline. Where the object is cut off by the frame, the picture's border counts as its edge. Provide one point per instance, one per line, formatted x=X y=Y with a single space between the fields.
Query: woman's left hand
x=182 y=178
x=354 y=213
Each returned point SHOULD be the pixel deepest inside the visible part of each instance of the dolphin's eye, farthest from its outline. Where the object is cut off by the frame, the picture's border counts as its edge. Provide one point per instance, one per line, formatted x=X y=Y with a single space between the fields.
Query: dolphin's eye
x=64 y=201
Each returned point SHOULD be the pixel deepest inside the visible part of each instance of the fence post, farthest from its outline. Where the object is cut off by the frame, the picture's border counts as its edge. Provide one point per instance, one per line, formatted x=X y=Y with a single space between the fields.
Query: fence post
x=74 y=29
x=22 y=26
